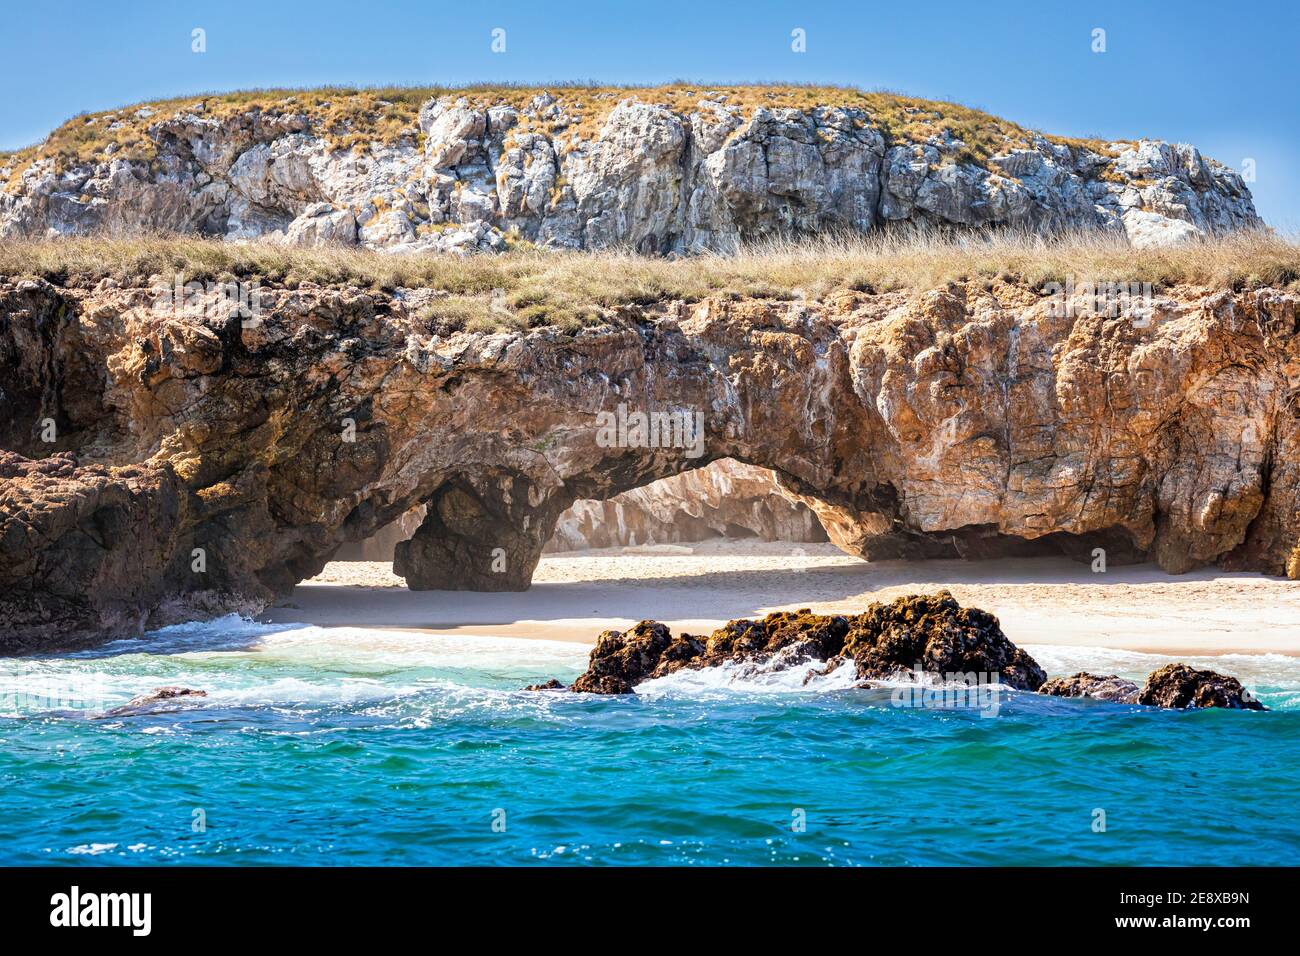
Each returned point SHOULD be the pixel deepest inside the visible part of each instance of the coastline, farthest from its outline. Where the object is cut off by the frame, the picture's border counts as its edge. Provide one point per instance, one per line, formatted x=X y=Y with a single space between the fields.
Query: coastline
x=697 y=588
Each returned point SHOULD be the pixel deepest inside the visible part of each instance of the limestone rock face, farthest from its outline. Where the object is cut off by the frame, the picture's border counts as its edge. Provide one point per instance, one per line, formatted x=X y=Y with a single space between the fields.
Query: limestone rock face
x=1177 y=685
x=723 y=499
x=654 y=177
x=1111 y=688
x=494 y=509
x=321 y=225
x=160 y=465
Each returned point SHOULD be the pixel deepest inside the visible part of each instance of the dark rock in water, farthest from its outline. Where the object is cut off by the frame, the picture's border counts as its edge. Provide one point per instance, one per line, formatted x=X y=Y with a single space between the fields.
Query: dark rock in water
x=819 y=636
x=928 y=631
x=1083 y=684
x=932 y=632
x=623 y=658
x=159 y=694
x=1177 y=685
x=683 y=651
x=551 y=684
x=935 y=633
x=164 y=693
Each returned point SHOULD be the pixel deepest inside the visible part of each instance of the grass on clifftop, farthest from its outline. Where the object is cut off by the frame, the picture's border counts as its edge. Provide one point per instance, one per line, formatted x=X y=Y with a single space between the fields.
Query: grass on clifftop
x=354 y=118
x=532 y=287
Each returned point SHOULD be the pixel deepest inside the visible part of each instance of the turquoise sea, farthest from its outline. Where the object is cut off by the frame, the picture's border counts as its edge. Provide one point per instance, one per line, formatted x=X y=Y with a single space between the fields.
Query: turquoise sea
x=354 y=746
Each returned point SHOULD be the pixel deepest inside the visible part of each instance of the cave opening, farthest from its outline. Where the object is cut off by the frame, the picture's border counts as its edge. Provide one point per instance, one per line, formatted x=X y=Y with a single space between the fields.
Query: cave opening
x=726 y=499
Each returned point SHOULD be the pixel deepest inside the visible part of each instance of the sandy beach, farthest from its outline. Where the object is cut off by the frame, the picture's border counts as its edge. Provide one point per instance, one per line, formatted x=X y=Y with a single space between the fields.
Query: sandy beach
x=698 y=587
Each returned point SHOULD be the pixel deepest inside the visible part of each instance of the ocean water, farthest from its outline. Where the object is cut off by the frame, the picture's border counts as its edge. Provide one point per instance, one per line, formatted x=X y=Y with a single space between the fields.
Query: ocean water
x=353 y=746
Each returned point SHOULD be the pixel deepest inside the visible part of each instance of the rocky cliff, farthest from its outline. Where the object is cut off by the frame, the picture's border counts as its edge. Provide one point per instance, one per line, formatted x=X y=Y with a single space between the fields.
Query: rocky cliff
x=164 y=464
x=666 y=170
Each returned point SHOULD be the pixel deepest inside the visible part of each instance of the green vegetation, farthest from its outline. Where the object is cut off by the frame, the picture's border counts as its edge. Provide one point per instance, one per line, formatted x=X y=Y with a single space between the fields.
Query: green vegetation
x=529 y=287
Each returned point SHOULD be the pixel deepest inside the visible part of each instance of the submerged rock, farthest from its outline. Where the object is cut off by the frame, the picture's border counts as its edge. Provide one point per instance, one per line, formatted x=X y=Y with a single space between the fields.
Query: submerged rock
x=551 y=684
x=930 y=632
x=1083 y=684
x=1172 y=686
x=142 y=701
x=1178 y=685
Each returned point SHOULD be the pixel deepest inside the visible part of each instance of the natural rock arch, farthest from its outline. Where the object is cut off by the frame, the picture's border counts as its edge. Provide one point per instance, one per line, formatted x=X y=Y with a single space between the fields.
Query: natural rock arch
x=726 y=498
x=954 y=422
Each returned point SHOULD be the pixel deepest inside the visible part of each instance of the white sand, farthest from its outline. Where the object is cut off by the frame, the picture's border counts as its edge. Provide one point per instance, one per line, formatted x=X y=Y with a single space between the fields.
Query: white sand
x=696 y=588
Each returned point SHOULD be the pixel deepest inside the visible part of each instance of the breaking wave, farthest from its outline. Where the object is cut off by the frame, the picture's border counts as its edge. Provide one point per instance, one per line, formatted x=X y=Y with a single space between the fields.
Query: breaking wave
x=371 y=746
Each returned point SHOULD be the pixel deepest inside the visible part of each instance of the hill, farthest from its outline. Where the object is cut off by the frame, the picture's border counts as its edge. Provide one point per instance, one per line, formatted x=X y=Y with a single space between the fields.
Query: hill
x=669 y=169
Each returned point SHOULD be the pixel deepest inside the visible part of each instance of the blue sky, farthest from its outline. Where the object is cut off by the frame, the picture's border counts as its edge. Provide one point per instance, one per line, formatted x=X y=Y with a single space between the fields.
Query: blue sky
x=1222 y=76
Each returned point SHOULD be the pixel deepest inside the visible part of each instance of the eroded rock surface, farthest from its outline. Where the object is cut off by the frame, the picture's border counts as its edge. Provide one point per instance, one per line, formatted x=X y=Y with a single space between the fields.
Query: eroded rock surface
x=723 y=499
x=382 y=545
x=622 y=659
x=940 y=636
x=1111 y=688
x=923 y=634
x=1181 y=686
x=930 y=633
x=162 y=465
x=1174 y=686
x=590 y=169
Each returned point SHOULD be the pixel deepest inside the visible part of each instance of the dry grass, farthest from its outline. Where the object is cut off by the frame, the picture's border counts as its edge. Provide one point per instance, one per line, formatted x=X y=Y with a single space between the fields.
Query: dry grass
x=532 y=287
x=355 y=118
x=347 y=118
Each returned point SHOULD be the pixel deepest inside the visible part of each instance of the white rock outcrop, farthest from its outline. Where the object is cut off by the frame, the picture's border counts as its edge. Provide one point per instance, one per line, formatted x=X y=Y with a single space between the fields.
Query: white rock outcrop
x=657 y=179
